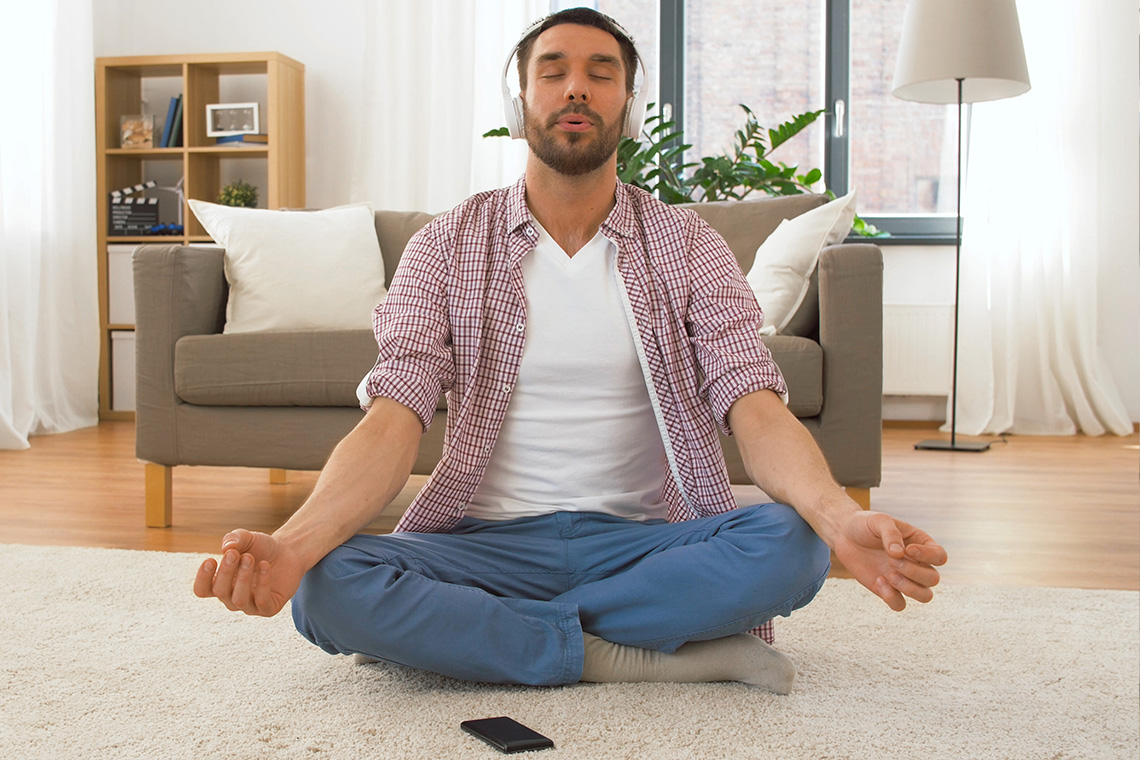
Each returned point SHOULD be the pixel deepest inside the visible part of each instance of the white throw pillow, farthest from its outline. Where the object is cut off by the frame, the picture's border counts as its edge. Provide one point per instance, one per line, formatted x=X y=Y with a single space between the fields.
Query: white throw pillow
x=297 y=270
x=781 y=272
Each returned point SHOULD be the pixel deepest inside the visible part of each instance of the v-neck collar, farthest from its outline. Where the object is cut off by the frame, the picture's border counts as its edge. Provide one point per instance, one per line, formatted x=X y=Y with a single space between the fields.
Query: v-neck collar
x=548 y=247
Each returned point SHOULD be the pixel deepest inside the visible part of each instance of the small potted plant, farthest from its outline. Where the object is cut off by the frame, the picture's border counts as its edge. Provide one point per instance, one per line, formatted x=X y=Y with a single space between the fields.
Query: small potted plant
x=238 y=193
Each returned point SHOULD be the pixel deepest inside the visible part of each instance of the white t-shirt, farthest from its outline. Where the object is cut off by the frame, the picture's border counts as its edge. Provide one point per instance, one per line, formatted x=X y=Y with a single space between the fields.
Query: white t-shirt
x=580 y=433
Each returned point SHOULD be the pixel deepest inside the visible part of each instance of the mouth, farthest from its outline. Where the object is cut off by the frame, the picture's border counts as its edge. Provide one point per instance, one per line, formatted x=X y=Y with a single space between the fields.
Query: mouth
x=575 y=119
x=575 y=123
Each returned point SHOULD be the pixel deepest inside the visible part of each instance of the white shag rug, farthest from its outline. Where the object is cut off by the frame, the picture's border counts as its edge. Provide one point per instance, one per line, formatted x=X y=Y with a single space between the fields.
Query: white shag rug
x=107 y=654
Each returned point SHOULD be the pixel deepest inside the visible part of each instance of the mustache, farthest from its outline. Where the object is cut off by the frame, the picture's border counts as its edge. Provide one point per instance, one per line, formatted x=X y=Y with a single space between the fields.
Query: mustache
x=577 y=110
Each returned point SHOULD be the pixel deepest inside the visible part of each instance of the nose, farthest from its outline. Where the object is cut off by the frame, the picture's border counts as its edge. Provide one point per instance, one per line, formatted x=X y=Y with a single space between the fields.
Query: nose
x=577 y=88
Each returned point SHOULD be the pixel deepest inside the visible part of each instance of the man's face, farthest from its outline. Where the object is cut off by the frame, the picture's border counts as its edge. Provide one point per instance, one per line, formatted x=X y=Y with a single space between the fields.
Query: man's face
x=575 y=100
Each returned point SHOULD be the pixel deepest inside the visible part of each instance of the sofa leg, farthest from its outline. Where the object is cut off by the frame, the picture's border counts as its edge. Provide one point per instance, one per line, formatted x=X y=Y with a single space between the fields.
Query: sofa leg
x=279 y=477
x=861 y=496
x=159 y=493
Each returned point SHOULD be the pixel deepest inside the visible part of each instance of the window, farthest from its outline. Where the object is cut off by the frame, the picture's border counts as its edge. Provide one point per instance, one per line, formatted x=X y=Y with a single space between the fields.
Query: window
x=767 y=55
x=903 y=154
x=782 y=58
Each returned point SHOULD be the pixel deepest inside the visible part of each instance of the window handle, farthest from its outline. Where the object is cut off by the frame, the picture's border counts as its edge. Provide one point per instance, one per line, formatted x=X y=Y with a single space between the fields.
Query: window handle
x=840 y=117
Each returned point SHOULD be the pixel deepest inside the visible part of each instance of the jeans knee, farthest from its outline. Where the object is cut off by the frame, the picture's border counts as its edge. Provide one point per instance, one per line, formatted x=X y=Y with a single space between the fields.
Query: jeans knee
x=806 y=557
x=814 y=552
x=317 y=605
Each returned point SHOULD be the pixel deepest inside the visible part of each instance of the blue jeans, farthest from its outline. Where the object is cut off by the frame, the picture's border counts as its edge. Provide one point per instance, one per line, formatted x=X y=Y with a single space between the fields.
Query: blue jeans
x=507 y=601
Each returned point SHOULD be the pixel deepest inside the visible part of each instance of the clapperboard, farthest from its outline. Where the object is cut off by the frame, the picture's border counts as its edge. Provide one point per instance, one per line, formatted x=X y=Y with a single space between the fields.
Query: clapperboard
x=131 y=214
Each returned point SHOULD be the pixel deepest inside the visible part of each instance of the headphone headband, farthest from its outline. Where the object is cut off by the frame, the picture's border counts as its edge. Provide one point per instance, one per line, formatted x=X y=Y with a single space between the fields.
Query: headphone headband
x=513 y=105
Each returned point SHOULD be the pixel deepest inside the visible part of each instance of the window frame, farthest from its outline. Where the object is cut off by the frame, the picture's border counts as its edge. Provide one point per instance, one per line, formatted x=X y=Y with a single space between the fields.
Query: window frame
x=905 y=229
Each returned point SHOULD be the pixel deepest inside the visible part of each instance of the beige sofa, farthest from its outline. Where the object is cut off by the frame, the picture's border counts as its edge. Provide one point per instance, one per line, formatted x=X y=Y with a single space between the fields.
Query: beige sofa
x=282 y=401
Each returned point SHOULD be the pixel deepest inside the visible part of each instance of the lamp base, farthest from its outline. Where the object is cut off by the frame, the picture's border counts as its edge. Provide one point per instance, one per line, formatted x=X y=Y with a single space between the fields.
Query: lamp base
x=975 y=446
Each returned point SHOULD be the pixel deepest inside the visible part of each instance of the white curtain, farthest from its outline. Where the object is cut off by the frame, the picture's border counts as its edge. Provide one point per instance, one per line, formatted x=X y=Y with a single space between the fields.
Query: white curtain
x=49 y=321
x=1033 y=232
x=422 y=149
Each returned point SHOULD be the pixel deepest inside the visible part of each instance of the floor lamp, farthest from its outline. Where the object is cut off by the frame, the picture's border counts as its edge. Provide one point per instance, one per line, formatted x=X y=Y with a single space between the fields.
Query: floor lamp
x=959 y=51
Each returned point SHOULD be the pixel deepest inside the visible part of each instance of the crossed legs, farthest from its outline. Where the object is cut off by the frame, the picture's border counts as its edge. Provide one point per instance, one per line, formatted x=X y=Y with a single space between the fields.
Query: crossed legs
x=508 y=602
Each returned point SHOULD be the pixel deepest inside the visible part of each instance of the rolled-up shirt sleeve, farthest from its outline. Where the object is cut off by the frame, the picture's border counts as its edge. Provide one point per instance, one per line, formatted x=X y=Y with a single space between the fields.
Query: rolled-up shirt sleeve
x=724 y=324
x=415 y=362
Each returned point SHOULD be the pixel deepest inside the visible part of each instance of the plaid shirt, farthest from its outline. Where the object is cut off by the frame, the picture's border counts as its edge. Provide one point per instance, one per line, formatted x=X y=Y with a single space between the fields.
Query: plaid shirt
x=454 y=321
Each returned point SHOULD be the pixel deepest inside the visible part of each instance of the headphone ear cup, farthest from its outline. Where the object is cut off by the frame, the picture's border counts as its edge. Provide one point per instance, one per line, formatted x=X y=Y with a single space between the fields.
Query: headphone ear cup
x=516 y=122
x=635 y=119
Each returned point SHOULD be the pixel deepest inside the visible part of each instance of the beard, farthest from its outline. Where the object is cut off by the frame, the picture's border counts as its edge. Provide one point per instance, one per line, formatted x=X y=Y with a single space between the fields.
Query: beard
x=582 y=155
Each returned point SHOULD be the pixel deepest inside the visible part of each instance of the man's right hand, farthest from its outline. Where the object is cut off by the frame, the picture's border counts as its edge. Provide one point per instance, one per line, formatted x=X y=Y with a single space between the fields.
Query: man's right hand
x=257 y=574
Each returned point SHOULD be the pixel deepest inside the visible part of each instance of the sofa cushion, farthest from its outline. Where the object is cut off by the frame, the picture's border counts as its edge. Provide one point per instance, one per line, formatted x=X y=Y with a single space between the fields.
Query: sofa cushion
x=781 y=273
x=745 y=225
x=394 y=229
x=324 y=368
x=290 y=270
x=273 y=369
x=801 y=362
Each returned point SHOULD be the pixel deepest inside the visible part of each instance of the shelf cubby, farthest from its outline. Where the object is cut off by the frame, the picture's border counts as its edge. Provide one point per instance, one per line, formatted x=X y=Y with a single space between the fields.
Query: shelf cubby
x=144 y=85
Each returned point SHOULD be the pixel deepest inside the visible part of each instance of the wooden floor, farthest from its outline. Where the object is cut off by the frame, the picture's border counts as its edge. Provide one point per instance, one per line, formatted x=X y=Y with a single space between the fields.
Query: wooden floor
x=1030 y=512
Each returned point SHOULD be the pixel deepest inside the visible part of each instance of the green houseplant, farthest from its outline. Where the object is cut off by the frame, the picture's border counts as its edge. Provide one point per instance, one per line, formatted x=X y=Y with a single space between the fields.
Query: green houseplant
x=654 y=163
x=238 y=193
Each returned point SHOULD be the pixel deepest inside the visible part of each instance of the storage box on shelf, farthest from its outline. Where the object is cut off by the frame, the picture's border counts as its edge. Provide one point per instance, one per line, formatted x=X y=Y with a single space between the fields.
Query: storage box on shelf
x=144 y=85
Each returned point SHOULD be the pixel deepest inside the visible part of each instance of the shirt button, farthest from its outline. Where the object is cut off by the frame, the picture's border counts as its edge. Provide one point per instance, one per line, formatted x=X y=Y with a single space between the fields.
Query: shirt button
x=487 y=449
x=506 y=388
x=520 y=327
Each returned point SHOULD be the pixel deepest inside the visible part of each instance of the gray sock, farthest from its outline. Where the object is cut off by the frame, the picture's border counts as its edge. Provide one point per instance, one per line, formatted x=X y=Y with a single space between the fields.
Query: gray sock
x=742 y=657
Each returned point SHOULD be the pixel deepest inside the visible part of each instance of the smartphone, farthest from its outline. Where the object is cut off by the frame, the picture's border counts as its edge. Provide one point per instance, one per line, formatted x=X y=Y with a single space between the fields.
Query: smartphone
x=506 y=734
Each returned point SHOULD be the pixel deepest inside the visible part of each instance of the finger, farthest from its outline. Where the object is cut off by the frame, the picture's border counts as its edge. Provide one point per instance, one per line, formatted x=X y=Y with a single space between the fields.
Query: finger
x=928 y=551
x=205 y=579
x=889 y=594
x=891 y=536
x=224 y=579
x=922 y=574
x=242 y=592
x=909 y=587
x=238 y=540
x=262 y=599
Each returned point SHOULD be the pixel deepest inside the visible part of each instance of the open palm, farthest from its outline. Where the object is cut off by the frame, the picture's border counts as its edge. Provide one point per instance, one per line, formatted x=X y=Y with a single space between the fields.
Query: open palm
x=890 y=557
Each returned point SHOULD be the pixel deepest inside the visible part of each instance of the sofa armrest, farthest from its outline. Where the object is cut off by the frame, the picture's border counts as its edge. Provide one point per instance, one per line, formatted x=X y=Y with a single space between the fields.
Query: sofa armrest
x=179 y=291
x=851 y=335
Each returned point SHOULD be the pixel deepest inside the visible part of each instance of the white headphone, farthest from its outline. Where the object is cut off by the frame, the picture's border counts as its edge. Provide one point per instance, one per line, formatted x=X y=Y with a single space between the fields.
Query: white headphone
x=513 y=105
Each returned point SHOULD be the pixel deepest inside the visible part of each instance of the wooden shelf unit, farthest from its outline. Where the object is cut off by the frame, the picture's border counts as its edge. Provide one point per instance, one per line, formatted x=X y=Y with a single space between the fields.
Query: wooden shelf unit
x=119 y=90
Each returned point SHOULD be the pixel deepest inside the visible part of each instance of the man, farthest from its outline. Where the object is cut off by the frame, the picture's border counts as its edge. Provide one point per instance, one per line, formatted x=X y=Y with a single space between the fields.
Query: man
x=579 y=525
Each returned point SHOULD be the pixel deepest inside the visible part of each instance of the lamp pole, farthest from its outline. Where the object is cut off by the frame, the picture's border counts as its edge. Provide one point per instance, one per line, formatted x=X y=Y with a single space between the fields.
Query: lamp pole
x=953 y=445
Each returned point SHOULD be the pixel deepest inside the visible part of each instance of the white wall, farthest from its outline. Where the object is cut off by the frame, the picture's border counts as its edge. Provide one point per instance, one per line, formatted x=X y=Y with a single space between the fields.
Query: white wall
x=350 y=154
x=327 y=37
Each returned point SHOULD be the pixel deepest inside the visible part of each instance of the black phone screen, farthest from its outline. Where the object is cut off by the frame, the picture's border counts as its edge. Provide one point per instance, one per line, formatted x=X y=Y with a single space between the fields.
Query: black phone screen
x=506 y=734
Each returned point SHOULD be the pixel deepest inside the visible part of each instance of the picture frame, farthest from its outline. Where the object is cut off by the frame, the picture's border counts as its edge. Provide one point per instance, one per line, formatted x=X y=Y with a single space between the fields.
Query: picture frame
x=136 y=131
x=227 y=119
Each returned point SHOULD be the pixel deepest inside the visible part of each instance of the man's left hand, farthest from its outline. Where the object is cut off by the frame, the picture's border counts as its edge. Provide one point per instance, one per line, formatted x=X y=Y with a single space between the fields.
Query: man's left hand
x=889 y=557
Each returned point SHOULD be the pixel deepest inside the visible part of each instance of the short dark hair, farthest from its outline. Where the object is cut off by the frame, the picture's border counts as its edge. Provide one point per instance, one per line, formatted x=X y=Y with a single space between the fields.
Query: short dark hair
x=584 y=17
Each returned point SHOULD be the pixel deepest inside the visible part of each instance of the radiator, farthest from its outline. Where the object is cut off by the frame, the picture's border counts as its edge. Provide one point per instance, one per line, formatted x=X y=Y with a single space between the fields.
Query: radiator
x=918 y=346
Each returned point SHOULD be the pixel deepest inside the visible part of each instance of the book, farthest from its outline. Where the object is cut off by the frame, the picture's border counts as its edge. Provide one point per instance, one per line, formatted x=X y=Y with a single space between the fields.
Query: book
x=169 y=122
x=176 y=129
x=261 y=139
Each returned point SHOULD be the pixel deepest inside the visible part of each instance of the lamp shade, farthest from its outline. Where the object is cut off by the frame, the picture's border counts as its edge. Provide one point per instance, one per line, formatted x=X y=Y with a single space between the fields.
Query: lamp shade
x=977 y=41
